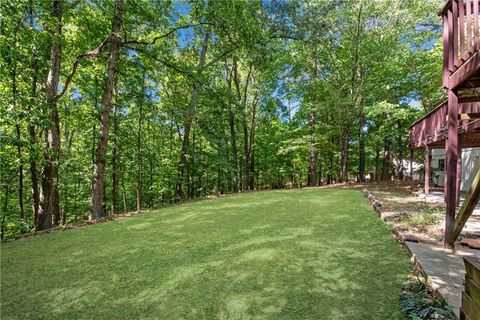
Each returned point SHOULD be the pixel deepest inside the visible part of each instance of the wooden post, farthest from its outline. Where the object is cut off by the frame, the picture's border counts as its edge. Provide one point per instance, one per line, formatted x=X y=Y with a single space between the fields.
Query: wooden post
x=446 y=66
x=471 y=201
x=427 y=170
x=451 y=158
x=461 y=24
x=468 y=6
x=459 y=172
x=455 y=19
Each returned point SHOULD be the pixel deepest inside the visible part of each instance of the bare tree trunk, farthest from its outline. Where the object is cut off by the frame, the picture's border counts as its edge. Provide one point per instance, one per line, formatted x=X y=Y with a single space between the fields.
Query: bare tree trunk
x=233 y=142
x=19 y=149
x=114 y=161
x=189 y=120
x=97 y=197
x=312 y=121
x=330 y=164
x=4 y=211
x=357 y=100
x=251 y=147
x=49 y=208
x=233 y=134
x=31 y=130
x=68 y=138
x=20 y=181
x=400 y=151
x=124 y=193
x=138 y=186
x=243 y=102
x=320 y=169
x=386 y=160
x=34 y=174
x=361 y=145
x=313 y=154
x=344 y=156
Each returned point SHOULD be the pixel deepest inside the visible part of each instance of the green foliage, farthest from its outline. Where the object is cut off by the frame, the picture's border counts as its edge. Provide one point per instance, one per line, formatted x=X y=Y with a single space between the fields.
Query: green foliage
x=417 y=302
x=281 y=78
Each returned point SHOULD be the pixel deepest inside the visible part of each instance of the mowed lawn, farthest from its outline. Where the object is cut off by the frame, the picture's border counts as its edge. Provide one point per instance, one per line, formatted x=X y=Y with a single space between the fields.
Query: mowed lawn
x=293 y=254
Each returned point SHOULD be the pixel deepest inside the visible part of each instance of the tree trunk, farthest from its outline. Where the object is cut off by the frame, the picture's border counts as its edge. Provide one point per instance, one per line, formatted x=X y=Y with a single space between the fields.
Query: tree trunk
x=68 y=138
x=20 y=181
x=138 y=186
x=124 y=193
x=377 y=164
x=344 y=156
x=320 y=169
x=49 y=208
x=189 y=120
x=312 y=120
x=313 y=154
x=233 y=134
x=361 y=146
x=19 y=150
x=233 y=142
x=97 y=197
x=251 y=147
x=114 y=161
x=357 y=100
x=243 y=102
x=330 y=163
x=34 y=174
x=31 y=131
x=4 y=211
x=400 y=151
x=386 y=160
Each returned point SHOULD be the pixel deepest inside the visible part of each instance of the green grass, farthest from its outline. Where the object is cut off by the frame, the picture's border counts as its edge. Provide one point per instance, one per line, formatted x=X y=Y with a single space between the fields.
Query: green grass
x=302 y=254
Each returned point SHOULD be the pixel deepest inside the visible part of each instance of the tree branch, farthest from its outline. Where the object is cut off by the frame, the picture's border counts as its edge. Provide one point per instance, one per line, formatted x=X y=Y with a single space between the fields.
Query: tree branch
x=92 y=53
x=165 y=63
x=218 y=58
x=143 y=42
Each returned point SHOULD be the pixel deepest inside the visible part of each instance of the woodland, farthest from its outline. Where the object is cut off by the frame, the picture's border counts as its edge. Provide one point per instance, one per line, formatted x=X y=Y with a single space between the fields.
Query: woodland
x=117 y=106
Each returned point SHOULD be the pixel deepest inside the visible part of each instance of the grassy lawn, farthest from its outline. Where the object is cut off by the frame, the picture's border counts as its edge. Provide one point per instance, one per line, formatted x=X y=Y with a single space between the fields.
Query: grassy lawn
x=302 y=254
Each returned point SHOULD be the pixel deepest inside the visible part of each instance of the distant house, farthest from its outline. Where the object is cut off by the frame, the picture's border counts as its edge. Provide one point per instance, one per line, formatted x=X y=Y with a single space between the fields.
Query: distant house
x=417 y=169
x=470 y=165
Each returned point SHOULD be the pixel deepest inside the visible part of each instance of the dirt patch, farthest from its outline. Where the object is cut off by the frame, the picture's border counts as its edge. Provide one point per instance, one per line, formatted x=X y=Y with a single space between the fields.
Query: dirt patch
x=409 y=215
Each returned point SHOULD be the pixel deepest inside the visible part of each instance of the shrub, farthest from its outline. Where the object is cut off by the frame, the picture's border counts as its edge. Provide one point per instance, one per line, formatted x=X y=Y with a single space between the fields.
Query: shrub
x=418 y=302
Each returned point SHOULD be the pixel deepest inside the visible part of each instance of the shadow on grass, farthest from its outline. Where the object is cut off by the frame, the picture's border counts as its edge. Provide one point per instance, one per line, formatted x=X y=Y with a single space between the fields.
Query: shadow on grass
x=303 y=254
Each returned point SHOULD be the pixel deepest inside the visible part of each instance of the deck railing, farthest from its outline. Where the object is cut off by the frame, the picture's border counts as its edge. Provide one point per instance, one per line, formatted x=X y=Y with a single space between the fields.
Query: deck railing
x=460 y=34
x=432 y=128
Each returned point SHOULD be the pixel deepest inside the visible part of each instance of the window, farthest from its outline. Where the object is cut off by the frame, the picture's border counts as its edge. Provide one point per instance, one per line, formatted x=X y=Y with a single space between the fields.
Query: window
x=441 y=164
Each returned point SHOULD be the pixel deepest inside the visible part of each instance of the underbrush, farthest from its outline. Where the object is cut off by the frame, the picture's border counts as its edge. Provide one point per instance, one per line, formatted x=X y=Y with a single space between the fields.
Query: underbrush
x=423 y=220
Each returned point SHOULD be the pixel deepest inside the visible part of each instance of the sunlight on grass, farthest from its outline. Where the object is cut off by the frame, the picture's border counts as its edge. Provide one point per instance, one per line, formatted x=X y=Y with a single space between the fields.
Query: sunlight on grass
x=298 y=254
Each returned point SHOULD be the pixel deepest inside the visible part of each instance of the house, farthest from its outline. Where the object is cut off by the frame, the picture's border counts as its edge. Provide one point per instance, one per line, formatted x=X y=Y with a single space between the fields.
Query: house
x=470 y=165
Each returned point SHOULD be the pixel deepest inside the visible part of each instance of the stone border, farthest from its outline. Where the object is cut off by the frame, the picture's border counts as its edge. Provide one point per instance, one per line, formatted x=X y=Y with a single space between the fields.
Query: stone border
x=402 y=236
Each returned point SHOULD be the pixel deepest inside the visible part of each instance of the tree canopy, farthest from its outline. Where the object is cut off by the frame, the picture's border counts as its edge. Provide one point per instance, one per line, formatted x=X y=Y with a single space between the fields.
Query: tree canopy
x=115 y=106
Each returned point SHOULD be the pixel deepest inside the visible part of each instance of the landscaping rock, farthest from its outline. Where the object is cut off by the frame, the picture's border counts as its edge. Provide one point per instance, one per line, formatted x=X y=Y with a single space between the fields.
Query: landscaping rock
x=471 y=243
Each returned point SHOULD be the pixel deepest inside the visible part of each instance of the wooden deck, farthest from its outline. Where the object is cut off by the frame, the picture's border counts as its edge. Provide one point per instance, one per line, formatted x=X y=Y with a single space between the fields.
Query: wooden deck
x=455 y=123
x=431 y=130
x=461 y=61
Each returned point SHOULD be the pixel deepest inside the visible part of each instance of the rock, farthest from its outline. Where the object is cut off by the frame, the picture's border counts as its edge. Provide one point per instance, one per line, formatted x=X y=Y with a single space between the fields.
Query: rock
x=472 y=243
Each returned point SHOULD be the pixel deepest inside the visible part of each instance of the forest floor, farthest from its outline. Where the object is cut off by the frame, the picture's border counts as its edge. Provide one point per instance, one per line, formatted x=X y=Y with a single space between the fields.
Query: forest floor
x=423 y=219
x=287 y=254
